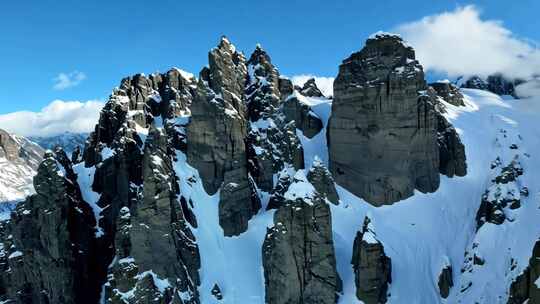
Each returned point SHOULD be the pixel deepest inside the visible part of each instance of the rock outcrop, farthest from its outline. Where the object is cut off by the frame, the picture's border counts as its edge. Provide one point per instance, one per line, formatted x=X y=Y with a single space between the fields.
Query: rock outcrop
x=452 y=159
x=383 y=132
x=445 y=281
x=525 y=286
x=298 y=111
x=272 y=141
x=448 y=92
x=372 y=268
x=298 y=252
x=310 y=89
x=48 y=250
x=216 y=136
x=504 y=192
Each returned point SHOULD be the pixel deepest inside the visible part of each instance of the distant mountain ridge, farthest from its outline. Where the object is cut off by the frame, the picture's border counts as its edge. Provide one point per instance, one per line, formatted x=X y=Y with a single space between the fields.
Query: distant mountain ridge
x=68 y=141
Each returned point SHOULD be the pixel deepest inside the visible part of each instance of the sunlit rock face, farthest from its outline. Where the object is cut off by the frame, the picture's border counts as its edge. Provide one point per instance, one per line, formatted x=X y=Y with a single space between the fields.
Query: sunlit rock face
x=383 y=131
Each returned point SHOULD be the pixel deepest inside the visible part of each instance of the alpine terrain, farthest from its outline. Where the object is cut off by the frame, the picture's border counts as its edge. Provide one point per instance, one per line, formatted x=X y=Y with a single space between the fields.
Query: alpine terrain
x=237 y=186
x=19 y=161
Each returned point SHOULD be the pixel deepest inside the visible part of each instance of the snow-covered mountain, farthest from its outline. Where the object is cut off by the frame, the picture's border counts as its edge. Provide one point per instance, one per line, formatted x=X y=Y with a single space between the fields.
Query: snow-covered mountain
x=239 y=187
x=68 y=141
x=19 y=160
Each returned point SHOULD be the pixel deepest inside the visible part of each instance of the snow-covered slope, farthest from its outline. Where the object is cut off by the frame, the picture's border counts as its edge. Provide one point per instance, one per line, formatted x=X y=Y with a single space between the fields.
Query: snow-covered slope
x=421 y=234
x=19 y=159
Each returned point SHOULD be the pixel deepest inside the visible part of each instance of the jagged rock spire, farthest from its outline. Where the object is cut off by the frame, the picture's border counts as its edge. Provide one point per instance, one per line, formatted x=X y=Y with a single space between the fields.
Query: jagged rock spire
x=310 y=89
x=216 y=137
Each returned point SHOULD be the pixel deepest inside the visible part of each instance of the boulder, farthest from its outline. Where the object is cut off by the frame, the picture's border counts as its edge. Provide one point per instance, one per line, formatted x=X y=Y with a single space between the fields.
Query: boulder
x=452 y=159
x=271 y=141
x=445 y=281
x=48 y=252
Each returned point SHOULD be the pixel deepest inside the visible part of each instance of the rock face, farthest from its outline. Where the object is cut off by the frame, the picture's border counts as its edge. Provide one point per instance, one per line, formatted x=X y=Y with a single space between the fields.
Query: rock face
x=310 y=89
x=216 y=137
x=322 y=181
x=524 y=287
x=379 y=114
x=298 y=252
x=372 y=268
x=154 y=243
x=272 y=141
x=452 y=159
x=306 y=120
x=496 y=83
x=505 y=192
x=448 y=92
x=445 y=281
x=48 y=244
x=19 y=160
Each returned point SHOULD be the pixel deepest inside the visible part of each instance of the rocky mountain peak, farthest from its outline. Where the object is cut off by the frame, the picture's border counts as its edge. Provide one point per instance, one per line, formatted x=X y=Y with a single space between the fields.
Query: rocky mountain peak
x=310 y=89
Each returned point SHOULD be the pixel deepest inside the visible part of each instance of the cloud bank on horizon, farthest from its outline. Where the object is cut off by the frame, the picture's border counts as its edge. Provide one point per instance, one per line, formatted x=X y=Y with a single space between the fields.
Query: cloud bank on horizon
x=56 y=118
x=68 y=80
x=462 y=43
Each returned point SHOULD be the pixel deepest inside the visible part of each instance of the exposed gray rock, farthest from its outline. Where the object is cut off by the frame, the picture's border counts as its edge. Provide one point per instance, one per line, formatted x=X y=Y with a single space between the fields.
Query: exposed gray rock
x=47 y=247
x=216 y=292
x=524 y=288
x=272 y=141
x=322 y=180
x=452 y=159
x=379 y=114
x=286 y=87
x=448 y=92
x=216 y=136
x=310 y=89
x=445 y=281
x=500 y=195
x=301 y=113
x=475 y=82
x=153 y=240
x=298 y=255
x=372 y=268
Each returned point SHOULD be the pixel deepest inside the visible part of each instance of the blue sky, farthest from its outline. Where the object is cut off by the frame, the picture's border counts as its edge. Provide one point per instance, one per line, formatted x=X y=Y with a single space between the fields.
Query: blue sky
x=102 y=41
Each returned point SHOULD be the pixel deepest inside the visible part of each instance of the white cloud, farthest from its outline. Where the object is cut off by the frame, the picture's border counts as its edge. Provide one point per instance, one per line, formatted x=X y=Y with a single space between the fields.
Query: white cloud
x=56 y=118
x=325 y=84
x=461 y=43
x=68 y=80
x=529 y=88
